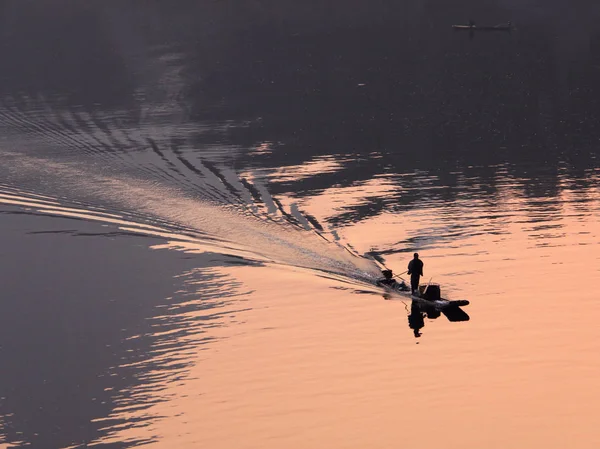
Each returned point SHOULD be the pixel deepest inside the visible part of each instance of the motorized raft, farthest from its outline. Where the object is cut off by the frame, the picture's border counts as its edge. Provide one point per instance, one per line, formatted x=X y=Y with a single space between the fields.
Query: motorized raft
x=428 y=295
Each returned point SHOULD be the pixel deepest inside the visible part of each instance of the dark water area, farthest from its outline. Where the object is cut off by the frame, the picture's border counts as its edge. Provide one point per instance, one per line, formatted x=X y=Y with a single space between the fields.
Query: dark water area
x=320 y=79
x=382 y=87
x=191 y=195
x=84 y=335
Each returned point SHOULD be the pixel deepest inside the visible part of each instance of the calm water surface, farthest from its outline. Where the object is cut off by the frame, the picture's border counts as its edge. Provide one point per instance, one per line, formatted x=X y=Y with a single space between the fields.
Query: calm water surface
x=195 y=200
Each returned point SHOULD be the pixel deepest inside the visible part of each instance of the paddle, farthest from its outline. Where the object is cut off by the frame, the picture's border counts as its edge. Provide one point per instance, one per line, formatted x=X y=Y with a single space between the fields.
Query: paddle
x=399 y=277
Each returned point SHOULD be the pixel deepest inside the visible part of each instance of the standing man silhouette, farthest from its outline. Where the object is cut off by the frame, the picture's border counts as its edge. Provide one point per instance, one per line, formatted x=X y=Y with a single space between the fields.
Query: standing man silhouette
x=415 y=269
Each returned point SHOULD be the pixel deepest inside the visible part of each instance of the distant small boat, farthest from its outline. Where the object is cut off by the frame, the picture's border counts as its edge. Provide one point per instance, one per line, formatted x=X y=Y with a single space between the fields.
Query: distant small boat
x=472 y=27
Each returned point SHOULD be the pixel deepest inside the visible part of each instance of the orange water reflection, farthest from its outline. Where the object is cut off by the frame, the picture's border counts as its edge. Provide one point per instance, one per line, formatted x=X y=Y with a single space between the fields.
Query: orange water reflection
x=314 y=366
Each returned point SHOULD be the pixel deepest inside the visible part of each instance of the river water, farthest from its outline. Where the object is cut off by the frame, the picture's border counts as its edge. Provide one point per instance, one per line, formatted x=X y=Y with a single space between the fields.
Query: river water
x=195 y=200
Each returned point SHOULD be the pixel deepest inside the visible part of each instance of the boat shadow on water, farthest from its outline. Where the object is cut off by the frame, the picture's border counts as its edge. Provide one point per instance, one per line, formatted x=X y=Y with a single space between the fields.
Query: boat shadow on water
x=419 y=311
x=426 y=302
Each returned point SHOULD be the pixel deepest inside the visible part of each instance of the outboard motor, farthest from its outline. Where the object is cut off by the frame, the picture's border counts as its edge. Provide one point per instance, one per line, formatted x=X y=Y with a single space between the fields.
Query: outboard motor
x=432 y=292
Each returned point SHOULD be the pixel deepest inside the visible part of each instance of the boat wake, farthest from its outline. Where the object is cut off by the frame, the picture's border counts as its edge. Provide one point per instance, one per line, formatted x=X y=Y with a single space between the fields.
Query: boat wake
x=221 y=213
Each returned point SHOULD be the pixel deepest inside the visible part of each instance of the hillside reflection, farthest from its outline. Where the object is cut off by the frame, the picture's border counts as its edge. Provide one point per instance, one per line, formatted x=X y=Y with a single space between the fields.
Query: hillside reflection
x=93 y=360
x=394 y=95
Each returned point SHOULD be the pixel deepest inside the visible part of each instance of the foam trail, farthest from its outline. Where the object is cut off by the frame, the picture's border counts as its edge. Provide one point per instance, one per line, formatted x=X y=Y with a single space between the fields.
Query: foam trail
x=193 y=224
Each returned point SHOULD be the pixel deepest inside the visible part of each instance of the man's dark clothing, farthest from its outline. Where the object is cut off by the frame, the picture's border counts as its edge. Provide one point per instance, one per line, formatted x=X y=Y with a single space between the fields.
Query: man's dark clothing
x=415 y=269
x=414 y=283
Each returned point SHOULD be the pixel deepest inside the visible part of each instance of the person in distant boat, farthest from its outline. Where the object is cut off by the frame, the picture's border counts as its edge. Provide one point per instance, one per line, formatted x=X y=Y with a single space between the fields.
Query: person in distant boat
x=415 y=270
x=471 y=23
x=389 y=281
x=388 y=278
